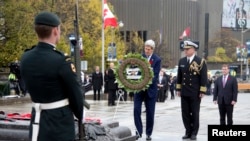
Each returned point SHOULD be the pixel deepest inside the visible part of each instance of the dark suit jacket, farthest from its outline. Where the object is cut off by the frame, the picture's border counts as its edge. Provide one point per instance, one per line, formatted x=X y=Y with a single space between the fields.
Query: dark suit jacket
x=111 y=80
x=97 y=80
x=155 y=62
x=167 y=80
x=163 y=82
x=228 y=93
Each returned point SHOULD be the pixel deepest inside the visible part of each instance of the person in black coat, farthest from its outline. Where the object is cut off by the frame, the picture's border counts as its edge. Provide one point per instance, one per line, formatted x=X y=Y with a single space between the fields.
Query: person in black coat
x=225 y=95
x=51 y=80
x=162 y=83
x=112 y=86
x=97 y=82
x=172 y=87
x=166 y=85
x=106 y=83
x=191 y=87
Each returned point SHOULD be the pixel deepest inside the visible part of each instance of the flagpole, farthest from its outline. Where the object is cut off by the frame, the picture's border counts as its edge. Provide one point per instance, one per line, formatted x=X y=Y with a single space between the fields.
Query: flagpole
x=103 y=37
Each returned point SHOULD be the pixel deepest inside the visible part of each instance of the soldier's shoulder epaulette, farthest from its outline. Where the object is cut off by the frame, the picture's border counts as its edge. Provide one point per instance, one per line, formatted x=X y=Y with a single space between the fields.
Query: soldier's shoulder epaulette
x=58 y=52
x=28 y=49
x=67 y=58
x=64 y=55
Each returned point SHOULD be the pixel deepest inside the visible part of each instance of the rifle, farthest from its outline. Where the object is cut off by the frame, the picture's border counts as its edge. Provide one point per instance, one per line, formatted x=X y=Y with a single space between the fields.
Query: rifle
x=82 y=135
x=81 y=128
x=86 y=104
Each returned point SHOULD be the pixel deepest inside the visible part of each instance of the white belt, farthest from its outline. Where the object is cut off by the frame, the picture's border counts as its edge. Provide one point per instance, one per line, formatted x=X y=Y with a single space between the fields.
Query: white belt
x=44 y=106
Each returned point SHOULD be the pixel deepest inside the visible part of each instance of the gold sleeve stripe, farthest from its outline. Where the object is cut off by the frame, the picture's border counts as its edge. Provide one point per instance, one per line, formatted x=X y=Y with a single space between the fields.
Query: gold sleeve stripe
x=203 y=89
x=178 y=86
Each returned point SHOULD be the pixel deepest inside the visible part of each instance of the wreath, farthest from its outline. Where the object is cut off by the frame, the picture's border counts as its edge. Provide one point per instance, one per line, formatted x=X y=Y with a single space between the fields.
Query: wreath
x=131 y=82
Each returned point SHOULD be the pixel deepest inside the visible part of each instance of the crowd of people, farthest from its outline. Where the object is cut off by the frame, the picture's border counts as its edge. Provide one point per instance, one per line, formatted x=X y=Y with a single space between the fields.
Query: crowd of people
x=98 y=83
x=166 y=85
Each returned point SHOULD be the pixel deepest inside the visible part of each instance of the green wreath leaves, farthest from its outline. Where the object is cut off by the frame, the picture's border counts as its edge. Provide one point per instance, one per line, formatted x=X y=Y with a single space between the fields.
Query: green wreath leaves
x=134 y=85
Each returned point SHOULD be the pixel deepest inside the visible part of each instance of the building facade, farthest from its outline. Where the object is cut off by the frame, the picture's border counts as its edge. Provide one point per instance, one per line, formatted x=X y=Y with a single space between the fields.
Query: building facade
x=168 y=19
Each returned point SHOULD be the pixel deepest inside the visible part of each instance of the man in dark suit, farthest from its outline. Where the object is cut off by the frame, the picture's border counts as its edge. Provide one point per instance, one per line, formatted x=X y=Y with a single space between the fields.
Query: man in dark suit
x=52 y=83
x=148 y=96
x=191 y=87
x=162 y=84
x=112 y=85
x=225 y=95
x=167 y=78
x=97 y=82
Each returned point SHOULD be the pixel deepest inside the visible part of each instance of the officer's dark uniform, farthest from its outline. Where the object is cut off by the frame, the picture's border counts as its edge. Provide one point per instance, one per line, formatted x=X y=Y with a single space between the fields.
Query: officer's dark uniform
x=191 y=82
x=50 y=77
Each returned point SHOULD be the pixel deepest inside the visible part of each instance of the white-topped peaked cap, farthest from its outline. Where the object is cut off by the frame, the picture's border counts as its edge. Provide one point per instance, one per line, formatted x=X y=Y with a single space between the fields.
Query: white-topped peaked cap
x=189 y=44
x=150 y=43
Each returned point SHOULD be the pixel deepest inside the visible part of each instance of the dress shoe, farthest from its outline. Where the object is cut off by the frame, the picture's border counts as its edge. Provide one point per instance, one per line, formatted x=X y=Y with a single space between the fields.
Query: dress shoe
x=193 y=137
x=137 y=137
x=186 y=137
x=148 y=138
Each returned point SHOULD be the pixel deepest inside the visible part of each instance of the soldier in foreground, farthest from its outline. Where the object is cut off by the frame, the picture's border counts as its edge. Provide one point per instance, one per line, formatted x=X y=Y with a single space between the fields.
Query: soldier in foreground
x=191 y=87
x=52 y=83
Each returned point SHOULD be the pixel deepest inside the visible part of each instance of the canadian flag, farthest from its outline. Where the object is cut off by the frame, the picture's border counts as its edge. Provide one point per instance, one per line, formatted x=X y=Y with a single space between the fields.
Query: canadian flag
x=109 y=18
x=186 y=33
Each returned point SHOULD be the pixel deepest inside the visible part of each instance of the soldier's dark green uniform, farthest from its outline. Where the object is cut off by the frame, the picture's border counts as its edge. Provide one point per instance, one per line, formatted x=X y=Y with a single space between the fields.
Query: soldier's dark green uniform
x=50 y=77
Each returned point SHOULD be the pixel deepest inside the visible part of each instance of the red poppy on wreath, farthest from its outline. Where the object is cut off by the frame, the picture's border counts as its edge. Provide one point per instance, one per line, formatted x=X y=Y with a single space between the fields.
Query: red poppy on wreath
x=151 y=61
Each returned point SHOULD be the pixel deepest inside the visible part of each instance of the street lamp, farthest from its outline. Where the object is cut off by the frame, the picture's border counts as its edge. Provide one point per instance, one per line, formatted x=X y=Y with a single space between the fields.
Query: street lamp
x=120 y=23
x=244 y=53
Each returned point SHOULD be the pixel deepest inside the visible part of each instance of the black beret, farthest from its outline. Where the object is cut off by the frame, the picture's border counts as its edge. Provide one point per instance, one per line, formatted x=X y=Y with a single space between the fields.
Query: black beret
x=47 y=18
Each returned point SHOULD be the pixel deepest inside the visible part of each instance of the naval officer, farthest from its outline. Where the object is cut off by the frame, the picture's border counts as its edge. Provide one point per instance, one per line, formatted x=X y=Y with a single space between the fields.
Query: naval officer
x=191 y=87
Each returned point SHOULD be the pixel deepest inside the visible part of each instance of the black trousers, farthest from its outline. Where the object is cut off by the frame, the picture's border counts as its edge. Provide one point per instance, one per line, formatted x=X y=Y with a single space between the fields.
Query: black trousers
x=190 y=108
x=98 y=94
x=161 y=95
x=172 y=93
x=226 y=110
x=111 y=97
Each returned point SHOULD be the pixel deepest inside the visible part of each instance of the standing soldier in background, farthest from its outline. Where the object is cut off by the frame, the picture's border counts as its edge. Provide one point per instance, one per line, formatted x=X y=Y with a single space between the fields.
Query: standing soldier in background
x=97 y=82
x=52 y=83
x=191 y=87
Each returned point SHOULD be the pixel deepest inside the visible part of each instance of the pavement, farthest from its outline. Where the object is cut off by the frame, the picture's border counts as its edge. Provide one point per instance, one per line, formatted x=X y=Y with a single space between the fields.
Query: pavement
x=168 y=122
